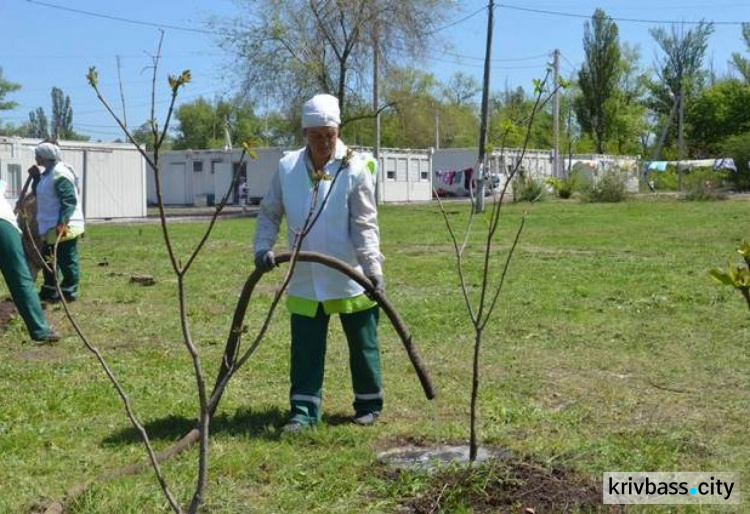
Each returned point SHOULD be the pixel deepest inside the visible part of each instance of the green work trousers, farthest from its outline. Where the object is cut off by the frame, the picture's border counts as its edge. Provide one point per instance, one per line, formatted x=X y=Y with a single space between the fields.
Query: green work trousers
x=309 y=336
x=15 y=270
x=67 y=263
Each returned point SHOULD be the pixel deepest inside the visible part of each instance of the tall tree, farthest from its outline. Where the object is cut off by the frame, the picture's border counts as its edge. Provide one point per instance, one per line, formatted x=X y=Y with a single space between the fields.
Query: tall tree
x=5 y=88
x=38 y=126
x=629 y=120
x=598 y=77
x=61 y=125
x=739 y=61
x=293 y=49
x=62 y=115
x=680 y=69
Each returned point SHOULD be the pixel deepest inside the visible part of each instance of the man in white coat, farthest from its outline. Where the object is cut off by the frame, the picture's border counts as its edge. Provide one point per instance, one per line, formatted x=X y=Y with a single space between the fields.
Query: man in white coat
x=346 y=229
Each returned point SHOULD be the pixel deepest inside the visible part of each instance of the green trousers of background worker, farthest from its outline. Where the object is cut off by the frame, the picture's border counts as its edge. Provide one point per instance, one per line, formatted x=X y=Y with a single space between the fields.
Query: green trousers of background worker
x=15 y=270
x=67 y=263
x=309 y=337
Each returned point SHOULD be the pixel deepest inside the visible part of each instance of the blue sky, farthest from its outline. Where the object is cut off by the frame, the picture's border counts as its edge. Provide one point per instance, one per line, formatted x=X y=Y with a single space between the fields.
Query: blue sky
x=42 y=46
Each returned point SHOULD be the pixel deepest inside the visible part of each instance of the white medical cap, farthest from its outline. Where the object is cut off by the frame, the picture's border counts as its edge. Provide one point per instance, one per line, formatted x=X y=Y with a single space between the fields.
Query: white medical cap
x=48 y=152
x=321 y=111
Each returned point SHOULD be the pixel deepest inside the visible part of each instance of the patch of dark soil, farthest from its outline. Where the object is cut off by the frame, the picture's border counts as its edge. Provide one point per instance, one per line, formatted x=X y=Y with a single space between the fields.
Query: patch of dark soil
x=496 y=486
x=7 y=311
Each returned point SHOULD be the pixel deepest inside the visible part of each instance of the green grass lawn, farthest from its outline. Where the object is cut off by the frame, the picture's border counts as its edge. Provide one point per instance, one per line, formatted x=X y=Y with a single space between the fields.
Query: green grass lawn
x=611 y=350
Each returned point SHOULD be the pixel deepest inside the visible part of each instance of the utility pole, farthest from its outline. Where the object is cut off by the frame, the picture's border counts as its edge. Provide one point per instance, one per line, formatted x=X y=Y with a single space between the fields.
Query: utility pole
x=556 y=114
x=680 y=140
x=122 y=95
x=485 y=110
x=437 y=128
x=376 y=108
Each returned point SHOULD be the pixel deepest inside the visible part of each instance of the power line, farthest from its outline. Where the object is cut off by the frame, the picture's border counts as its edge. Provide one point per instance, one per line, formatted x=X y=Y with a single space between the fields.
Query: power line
x=614 y=18
x=477 y=65
x=125 y=20
x=457 y=21
x=506 y=59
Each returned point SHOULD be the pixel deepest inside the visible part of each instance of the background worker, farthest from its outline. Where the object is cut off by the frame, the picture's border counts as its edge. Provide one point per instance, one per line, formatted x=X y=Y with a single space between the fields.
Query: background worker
x=58 y=213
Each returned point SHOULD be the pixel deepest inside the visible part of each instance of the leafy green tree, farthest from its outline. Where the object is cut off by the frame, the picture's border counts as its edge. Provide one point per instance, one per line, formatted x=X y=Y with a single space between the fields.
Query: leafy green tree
x=739 y=61
x=7 y=87
x=629 y=123
x=458 y=116
x=510 y=115
x=203 y=124
x=290 y=50
x=411 y=121
x=598 y=77
x=719 y=112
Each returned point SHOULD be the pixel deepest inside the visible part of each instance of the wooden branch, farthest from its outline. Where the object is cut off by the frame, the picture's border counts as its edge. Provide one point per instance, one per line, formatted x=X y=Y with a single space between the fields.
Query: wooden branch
x=233 y=339
x=230 y=352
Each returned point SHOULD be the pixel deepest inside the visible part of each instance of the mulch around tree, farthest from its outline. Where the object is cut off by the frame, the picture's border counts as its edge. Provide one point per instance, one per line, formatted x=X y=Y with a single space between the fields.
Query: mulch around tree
x=516 y=484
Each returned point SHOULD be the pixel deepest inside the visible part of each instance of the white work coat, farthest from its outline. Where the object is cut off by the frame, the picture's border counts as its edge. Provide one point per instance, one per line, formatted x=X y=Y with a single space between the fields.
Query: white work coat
x=48 y=204
x=346 y=229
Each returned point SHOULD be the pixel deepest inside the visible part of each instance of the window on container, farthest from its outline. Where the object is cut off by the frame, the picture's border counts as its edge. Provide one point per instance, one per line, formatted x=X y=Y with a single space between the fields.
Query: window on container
x=424 y=171
x=390 y=174
x=197 y=166
x=214 y=164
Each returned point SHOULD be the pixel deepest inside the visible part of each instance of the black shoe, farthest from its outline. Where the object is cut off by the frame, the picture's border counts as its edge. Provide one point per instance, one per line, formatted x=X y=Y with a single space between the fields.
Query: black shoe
x=51 y=337
x=365 y=418
x=49 y=297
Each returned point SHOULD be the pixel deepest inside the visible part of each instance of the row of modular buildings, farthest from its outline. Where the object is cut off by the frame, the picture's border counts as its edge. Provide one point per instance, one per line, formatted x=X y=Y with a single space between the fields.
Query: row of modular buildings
x=111 y=177
x=202 y=177
x=115 y=180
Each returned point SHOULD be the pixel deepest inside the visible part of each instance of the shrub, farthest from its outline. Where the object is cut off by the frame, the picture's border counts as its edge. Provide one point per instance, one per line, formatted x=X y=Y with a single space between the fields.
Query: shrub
x=665 y=180
x=738 y=148
x=705 y=184
x=526 y=189
x=563 y=187
x=610 y=187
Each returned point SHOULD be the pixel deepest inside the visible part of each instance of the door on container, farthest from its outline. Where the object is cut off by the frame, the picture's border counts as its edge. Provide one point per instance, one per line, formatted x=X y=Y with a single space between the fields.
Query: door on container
x=222 y=173
x=175 y=187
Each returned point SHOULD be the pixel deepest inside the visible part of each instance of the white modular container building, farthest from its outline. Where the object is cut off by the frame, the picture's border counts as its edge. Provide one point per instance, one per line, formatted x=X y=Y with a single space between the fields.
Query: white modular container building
x=404 y=175
x=202 y=177
x=111 y=176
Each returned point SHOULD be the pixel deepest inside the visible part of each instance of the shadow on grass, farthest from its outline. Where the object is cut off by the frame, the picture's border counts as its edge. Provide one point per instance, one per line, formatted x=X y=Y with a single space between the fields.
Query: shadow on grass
x=259 y=423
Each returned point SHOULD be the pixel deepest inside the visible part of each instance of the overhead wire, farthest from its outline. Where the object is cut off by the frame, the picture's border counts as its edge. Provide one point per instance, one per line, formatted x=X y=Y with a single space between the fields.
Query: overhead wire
x=126 y=20
x=614 y=18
